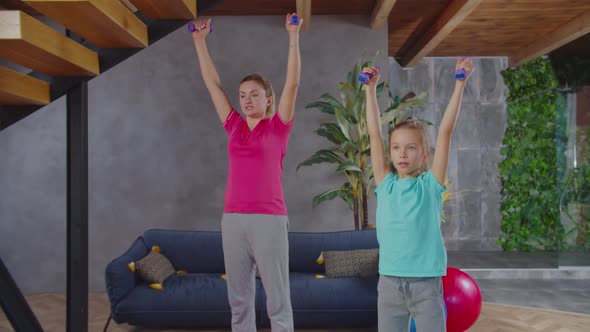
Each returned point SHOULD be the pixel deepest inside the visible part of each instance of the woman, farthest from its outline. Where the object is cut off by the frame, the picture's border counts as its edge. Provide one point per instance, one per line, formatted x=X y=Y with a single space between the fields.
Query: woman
x=254 y=223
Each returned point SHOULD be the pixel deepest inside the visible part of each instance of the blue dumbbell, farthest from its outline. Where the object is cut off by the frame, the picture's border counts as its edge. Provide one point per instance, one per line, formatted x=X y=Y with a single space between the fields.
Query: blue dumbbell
x=294 y=20
x=191 y=27
x=461 y=74
x=365 y=77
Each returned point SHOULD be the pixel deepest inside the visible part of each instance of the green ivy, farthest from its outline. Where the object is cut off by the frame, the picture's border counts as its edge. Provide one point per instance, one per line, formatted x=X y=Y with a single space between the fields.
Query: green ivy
x=530 y=171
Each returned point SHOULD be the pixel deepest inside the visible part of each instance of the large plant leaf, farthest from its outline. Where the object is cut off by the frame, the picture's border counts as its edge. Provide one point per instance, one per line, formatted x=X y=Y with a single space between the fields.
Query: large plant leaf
x=322 y=156
x=342 y=192
x=350 y=98
x=349 y=147
x=332 y=132
x=352 y=76
x=322 y=106
x=349 y=166
x=343 y=122
x=358 y=107
x=332 y=100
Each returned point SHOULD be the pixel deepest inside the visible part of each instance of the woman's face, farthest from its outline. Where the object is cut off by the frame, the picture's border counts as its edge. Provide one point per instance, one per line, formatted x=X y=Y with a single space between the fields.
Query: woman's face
x=253 y=99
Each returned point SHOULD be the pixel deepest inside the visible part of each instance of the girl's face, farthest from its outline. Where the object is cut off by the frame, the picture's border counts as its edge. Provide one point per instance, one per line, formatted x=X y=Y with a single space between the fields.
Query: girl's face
x=407 y=152
x=253 y=99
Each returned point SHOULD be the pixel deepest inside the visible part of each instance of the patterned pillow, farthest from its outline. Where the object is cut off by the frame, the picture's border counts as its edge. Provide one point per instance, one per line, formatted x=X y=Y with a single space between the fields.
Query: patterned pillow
x=154 y=268
x=353 y=263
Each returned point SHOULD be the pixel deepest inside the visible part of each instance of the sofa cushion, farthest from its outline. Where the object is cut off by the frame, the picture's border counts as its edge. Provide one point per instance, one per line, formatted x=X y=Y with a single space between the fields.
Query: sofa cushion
x=310 y=293
x=197 y=291
x=304 y=248
x=192 y=251
x=330 y=303
x=182 y=301
x=351 y=263
x=153 y=268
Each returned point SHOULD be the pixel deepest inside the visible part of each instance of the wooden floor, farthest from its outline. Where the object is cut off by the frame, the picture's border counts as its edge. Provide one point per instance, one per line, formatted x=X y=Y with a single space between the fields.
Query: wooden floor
x=50 y=310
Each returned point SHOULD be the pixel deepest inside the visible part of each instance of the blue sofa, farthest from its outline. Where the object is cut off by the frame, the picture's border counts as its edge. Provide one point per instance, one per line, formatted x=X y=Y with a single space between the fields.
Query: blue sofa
x=199 y=298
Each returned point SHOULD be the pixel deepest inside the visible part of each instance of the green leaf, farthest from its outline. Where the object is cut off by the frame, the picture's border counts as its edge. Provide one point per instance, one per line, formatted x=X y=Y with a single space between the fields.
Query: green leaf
x=332 y=101
x=400 y=110
x=349 y=166
x=322 y=106
x=351 y=101
x=322 y=156
x=332 y=132
x=341 y=192
x=343 y=122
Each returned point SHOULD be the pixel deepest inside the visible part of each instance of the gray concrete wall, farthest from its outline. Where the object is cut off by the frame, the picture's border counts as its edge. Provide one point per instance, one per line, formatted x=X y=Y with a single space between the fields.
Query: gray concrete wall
x=157 y=152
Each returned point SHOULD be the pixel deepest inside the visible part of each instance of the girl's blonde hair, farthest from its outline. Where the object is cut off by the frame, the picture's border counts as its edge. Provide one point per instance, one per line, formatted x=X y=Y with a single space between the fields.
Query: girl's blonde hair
x=269 y=92
x=420 y=127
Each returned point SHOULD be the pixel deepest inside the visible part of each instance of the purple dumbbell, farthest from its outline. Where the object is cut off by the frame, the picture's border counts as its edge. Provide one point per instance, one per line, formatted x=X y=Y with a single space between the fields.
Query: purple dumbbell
x=192 y=28
x=294 y=20
x=365 y=77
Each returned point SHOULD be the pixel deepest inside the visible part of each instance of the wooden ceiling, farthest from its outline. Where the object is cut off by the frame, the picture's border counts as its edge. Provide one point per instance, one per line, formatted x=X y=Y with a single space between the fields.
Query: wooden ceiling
x=519 y=29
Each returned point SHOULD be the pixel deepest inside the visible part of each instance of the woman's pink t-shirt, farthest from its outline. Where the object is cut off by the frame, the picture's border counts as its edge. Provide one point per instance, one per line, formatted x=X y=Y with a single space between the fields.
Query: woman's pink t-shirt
x=254 y=181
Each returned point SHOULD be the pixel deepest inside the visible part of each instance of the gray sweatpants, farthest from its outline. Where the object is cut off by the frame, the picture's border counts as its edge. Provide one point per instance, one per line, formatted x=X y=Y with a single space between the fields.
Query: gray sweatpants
x=400 y=297
x=251 y=240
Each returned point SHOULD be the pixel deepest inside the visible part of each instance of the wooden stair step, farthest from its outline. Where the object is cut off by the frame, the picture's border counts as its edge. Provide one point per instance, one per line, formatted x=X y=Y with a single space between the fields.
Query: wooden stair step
x=104 y=23
x=18 y=89
x=169 y=9
x=32 y=44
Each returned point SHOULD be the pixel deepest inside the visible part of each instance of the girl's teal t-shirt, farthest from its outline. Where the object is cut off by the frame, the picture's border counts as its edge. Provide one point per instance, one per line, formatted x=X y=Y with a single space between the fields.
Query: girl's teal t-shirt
x=409 y=213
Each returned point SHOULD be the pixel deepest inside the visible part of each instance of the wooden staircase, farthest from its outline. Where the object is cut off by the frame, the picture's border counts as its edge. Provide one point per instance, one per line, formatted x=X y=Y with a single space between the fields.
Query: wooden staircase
x=39 y=63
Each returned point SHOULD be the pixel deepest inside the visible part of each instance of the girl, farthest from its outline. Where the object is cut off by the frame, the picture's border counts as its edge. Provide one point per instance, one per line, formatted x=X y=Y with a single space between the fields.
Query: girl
x=254 y=223
x=412 y=256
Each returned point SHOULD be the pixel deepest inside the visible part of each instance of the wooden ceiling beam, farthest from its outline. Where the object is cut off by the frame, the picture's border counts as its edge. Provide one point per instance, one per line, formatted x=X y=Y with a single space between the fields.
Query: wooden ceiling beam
x=167 y=9
x=381 y=13
x=30 y=43
x=18 y=5
x=444 y=24
x=571 y=31
x=106 y=24
x=129 y=5
x=20 y=89
x=304 y=11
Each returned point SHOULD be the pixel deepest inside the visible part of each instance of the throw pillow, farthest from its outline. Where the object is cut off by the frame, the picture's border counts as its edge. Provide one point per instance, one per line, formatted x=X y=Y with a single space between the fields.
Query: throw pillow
x=352 y=263
x=154 y=268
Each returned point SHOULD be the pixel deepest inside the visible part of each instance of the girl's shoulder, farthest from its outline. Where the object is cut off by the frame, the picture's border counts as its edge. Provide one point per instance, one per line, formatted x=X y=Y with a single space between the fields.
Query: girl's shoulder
x=430 y=180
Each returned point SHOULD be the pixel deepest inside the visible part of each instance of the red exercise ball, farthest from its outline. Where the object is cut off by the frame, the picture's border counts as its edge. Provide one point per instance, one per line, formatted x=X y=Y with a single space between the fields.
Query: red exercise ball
x=462 y=298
